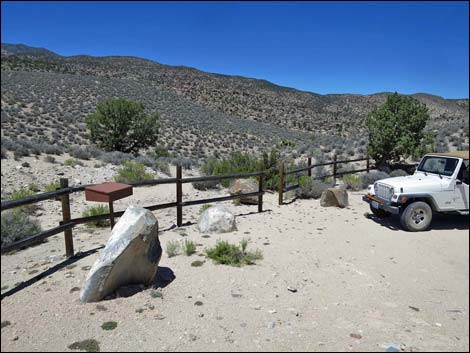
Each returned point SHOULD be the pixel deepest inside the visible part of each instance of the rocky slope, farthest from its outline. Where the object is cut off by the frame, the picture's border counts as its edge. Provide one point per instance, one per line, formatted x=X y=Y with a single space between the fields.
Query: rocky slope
x=45 y=94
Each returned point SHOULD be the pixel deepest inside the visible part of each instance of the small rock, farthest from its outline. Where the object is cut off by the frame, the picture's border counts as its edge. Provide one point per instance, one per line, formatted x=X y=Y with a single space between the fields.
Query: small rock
x=272 y=324
x=438 y=324
x=257 y=307
x=413 y=308
x=273 y=311
x=355 y=335
x=292 y=289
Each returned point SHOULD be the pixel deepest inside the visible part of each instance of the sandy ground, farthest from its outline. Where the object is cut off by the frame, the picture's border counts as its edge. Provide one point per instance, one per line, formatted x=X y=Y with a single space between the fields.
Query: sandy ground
x=362 y=284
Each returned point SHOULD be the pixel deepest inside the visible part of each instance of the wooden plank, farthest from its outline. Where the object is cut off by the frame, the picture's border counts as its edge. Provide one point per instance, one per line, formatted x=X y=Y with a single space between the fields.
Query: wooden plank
x=280 y=187
x=218 y=199
x=220 y=177
x=52 y=195
x=309 y=166
x=179 y=197
x=260 y=190
x=66 y=216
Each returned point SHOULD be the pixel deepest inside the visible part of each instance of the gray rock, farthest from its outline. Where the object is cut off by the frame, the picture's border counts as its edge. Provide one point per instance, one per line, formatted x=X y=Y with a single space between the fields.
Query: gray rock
x=334 y=197
x=131 y=256
x=245 y=186
x=216 y=219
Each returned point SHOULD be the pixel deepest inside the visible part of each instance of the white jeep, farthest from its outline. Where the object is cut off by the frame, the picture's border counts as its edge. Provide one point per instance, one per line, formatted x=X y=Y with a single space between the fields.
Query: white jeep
x=439 y=184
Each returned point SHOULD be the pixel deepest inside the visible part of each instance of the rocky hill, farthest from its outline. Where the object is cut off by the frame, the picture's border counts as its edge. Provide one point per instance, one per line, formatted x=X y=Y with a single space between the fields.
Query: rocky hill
x=46 y=96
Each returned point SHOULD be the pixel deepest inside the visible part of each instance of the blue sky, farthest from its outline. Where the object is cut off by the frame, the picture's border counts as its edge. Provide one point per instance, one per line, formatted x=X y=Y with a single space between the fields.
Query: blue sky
x=322 y=47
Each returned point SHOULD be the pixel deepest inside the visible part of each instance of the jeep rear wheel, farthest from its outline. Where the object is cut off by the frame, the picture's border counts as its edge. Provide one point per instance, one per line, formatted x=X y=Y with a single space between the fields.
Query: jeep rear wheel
x=416 y=217
x=379 y=213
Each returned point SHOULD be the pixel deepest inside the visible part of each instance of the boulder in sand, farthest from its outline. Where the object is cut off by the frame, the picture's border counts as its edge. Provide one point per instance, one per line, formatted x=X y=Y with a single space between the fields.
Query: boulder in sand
x=334 y=197
x=245 y=186
x=131 y=256
x=216 y=219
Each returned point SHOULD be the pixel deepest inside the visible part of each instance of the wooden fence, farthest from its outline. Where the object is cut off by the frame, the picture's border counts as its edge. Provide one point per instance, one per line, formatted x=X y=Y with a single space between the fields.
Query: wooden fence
x=68 y=223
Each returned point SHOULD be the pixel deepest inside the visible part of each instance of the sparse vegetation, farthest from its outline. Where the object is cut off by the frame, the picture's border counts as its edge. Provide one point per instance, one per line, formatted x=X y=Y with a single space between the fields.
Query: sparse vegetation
x=205 y=207
x=95 y=211
x=352 y=182
x=173 y=248
x=109 y=325
x=228 y=254
x=310 y=188
x=52 y=186
x=72 y=162
x=132 y=172
x=17 y=225
x=189 y=247
x=88 y=345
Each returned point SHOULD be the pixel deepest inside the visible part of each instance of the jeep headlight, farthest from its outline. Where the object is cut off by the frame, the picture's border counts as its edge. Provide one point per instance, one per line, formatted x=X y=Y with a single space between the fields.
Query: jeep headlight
x=370 y=189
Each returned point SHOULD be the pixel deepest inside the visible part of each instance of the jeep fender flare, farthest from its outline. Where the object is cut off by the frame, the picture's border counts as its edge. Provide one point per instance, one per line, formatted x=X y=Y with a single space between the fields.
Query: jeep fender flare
x=428 y=198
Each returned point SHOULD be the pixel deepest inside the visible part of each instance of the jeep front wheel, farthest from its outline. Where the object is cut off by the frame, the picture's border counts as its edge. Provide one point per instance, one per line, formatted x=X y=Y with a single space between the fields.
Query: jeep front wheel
x=416 y=217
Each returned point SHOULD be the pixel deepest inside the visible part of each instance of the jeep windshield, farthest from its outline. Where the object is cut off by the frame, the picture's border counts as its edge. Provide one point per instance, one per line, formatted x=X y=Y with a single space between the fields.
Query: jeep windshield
x=438 y=165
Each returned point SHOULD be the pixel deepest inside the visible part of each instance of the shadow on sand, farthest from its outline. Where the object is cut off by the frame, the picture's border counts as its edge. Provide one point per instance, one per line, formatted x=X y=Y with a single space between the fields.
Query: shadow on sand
x=50 y=271
x=439 y=222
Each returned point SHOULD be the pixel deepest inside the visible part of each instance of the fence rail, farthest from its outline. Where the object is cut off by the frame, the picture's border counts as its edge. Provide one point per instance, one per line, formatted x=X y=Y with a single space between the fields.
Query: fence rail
x=68 y=223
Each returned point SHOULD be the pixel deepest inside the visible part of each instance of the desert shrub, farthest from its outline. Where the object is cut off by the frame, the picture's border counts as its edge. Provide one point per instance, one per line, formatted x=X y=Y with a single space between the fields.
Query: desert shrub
x=34 y=187
x=398 y=173
x=206 y=185
x=172 y=248
x=52 y=186
x=80 y=153
x=372 y=177
x=228 y=254
x=132 y=172
x=189 y=247
x=20 y=194
x=352 y=182
x=17 y=225
x=49 y=159
x=310 y=188
x=95 y=211
x=72 y=162
x=116 y=157
x=122 y=125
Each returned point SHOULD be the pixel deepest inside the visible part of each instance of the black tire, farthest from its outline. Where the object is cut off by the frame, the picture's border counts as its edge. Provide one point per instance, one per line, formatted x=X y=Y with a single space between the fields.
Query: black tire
x=416 y=217
x=379 y=213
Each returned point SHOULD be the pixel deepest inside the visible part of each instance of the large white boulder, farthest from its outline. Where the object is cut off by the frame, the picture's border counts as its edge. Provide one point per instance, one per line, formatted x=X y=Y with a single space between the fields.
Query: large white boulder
x=217 y=219
x=131 y=256
x=334 y=197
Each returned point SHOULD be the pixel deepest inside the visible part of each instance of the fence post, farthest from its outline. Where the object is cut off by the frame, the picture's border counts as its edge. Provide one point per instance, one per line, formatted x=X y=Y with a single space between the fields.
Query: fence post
x=260 y=196
x=281 y=182
x=66 y=216
x=368 y=164
x=335 y=159
x=309 y=164
x=179 y=197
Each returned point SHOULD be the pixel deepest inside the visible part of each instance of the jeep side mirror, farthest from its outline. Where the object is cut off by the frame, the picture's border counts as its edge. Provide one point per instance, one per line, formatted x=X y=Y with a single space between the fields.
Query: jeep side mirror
x=458 y=182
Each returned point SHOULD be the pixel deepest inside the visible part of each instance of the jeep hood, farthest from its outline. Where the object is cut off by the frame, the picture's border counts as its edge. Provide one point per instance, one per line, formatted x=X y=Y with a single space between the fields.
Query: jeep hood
x=416 y=183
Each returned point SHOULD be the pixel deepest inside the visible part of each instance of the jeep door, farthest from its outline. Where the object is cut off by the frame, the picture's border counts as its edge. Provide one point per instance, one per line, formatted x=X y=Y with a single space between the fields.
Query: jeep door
x=461 y=187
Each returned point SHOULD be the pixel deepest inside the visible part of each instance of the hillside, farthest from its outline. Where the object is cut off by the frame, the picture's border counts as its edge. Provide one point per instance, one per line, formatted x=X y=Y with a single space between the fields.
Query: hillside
x=48 y=95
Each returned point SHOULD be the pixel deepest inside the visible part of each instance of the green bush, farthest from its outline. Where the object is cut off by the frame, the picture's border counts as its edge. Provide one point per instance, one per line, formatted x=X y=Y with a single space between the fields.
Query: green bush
x=132 y=172
x=189 y=247
x=21 y=194
x=17 y=225
x=204 y=207
x=122 y=125
x=396 y=130
x=310 y=188
x=228 y=254
x=352 y=182
x=239 y=162
x=206 y=185
x=95 y=211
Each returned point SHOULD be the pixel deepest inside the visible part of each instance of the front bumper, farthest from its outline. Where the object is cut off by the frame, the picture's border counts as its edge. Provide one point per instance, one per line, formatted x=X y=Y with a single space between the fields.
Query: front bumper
x=381 y=204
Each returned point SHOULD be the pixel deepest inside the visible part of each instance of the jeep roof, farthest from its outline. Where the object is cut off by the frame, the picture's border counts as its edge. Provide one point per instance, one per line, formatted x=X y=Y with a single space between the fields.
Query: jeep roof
x=456 y=154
